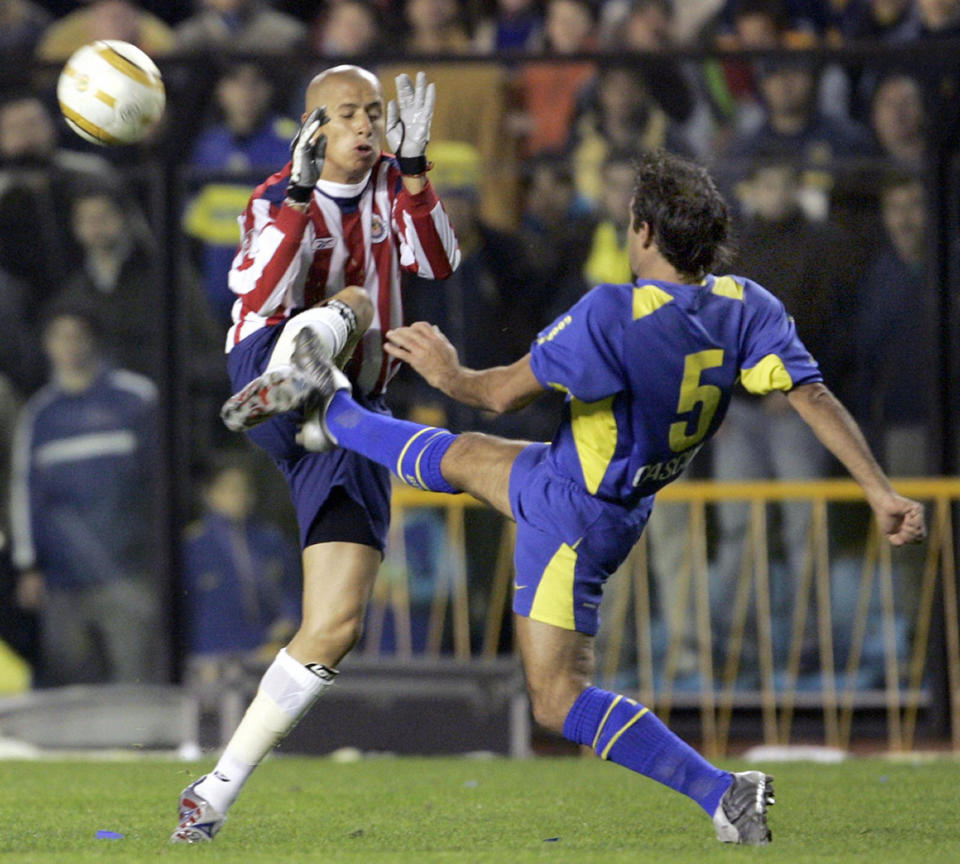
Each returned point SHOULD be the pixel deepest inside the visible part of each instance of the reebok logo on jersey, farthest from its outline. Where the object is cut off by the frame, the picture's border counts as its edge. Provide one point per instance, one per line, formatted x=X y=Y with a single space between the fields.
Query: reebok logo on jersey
x=324 y=243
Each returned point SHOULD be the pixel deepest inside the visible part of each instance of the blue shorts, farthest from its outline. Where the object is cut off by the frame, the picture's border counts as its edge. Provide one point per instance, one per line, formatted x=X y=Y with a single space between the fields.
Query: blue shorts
x=311 y=476
x=568 y=543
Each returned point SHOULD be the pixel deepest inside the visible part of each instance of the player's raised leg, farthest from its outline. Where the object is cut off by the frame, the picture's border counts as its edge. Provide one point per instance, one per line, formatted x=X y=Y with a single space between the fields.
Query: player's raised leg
x=331 y=328
x=558 y=665
x=425 y=457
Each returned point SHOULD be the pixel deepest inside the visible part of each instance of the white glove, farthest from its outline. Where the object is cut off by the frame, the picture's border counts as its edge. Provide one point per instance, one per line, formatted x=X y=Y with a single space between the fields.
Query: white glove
x=408 y=122
x=307 y=151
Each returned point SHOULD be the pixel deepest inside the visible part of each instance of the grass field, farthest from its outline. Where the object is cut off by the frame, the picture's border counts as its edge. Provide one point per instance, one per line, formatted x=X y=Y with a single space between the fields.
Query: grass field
x=460 y=810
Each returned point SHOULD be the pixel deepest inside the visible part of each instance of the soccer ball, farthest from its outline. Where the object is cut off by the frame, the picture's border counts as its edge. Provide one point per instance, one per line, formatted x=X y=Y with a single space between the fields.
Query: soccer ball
x=110 y=92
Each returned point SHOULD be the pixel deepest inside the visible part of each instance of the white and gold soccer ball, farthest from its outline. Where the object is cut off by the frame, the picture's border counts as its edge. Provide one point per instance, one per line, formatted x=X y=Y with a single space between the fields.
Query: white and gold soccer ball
x=111 y=93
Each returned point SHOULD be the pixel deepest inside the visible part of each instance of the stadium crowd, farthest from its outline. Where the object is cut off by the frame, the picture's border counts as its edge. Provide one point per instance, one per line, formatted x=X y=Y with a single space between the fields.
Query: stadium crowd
x=828 y=158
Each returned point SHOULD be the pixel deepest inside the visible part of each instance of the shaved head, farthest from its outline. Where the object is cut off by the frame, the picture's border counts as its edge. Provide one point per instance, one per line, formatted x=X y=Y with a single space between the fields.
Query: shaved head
x=320 y=84
x=353 y=99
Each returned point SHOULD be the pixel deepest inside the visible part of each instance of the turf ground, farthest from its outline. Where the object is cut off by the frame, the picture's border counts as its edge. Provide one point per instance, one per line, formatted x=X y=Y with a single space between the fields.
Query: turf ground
x=461 y=810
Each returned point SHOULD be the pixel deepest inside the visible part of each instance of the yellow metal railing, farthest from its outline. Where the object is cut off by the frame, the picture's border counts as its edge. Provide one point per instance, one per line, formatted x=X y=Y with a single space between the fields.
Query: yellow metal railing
x=717 y=694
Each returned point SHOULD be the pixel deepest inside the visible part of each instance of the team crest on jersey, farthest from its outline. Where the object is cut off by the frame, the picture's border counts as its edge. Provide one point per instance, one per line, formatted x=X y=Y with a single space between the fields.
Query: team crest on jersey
x=324 y=243
x=378 y=229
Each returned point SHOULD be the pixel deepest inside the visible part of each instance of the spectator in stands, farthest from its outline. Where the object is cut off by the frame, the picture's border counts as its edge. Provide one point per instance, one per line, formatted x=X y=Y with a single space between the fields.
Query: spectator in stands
x=82 y=507
x=898 y=119
x=556 y=229
x=105 y=19
x=896 y=329
x=347 y=28
x=118 y=273
x=800 y=23
x=22 y=22
x=645 y=27
x=435 y=27
x=241 y=25
x=241 y=575
x=549 y=91
x=607 y=260
x=248 y=138
x=930 y=19
x=619 y=114
x=761 y=437
x=873 y=21
x=741 y=26
x=794 y=128
x=513 y=25
x=934 y=22
x=38 y=181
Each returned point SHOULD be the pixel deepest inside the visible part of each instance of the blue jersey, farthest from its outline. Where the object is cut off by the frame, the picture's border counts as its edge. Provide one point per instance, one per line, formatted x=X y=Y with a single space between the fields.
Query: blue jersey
x=239 y=579
x=649 y=369
x=84 y=469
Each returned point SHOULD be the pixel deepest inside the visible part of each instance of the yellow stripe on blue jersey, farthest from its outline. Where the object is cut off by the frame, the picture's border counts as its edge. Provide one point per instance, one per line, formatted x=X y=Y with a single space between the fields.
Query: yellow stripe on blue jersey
x=553 y=602
x=727 y=286
x=650 y=369
x=595 y=436
x=647 y=299
x=769 y=374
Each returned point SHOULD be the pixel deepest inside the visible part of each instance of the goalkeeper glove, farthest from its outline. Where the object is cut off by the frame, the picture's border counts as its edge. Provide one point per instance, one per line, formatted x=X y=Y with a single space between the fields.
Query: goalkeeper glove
x=307 y=151
x=408 y=122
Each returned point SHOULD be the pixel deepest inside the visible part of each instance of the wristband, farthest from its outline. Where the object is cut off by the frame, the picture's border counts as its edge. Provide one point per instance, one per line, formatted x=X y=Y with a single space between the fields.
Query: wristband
x=300 y=194
x=413 y=165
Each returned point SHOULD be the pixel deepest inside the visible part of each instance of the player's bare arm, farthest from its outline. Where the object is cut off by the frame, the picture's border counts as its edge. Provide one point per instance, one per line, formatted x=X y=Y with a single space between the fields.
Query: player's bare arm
x=430 y=353
x=900 y=519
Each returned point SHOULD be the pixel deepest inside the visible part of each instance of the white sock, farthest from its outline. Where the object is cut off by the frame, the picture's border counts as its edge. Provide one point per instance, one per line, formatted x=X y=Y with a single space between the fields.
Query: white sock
x=328 y=322
x=286 y=692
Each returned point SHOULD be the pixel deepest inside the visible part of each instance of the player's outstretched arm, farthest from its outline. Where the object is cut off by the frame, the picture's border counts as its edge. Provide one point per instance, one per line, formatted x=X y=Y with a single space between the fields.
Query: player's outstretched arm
x=900 y=519
x=430 y=353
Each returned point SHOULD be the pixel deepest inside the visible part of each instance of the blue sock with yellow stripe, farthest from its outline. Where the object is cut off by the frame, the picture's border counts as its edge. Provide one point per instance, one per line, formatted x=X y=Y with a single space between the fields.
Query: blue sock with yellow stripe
x=623 y=731
x=411 y=451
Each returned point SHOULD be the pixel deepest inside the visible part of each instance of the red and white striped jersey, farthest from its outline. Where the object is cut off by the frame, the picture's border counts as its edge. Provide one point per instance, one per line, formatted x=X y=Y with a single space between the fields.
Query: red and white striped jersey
x=288 y=260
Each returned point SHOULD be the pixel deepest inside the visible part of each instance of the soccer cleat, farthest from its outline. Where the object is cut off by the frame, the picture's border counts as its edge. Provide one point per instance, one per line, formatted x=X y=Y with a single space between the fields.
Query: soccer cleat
x=199 y=821
x=741 y=816
x=326 y=379
x=272 y=393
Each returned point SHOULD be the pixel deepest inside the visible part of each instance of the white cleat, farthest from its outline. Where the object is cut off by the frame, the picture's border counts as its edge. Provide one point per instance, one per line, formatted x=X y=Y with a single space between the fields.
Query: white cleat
x=199 y=821
x=741 y=816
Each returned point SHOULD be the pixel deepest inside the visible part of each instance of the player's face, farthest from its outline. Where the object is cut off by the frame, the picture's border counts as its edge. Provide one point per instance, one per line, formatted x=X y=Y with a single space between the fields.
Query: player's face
x=355 y=132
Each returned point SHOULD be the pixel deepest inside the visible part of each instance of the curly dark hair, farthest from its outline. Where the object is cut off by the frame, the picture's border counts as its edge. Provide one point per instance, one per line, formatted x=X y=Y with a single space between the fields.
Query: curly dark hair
x=688 y=216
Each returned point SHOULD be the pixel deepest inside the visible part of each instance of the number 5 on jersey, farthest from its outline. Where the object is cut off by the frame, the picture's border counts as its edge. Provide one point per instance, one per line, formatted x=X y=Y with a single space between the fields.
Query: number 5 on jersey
x=693 y=394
